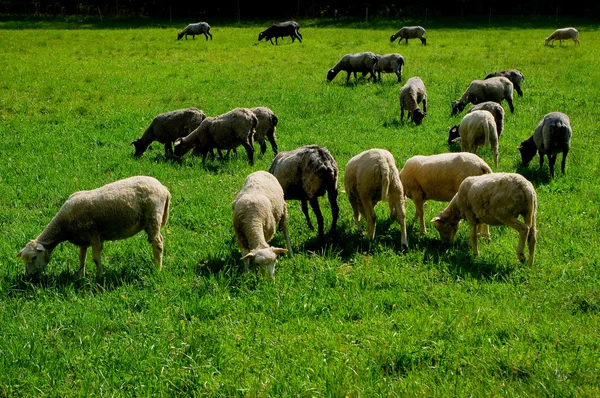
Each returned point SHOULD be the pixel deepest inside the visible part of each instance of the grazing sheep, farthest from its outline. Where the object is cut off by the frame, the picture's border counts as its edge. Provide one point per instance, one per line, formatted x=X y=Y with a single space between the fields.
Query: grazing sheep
x=563 y=34
x=267 y=123
x=389 y=63
x=493 y=199
x=372 y=176
x=226 y=131
x=258 y=211
x=495 y=109
x=551 y=136
x=168 y=127
x=409 y=32
x=476 y=129
x=114 y=211
x=283 y=29
x=360 y=62
x=515 y=76
x=200 y=28
x=305 y=174
x=437 y=177
x=493 y=89
x=411 y=94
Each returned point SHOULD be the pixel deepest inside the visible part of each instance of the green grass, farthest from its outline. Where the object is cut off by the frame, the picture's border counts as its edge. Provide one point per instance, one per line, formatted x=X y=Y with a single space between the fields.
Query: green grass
x=350 y=317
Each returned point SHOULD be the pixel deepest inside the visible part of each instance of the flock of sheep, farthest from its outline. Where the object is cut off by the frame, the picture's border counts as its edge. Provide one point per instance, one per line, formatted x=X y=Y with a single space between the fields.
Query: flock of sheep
x=124 y=208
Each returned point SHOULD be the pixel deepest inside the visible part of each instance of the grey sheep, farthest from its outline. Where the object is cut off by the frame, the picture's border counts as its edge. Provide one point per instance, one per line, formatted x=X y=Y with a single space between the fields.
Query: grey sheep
x=411 y=94
x=305 y=174
x=409 y=32
x=492 y=199
x=563 y=34
x=226 y=131
x=199 y=28
x=258 y=211
x=514 y=75
x=551 y=136
x=167 y=127
x=114 y=211
x=389 y=63
x=283 y=29
x=493 y=89
x=363 y=62
x=267 y=123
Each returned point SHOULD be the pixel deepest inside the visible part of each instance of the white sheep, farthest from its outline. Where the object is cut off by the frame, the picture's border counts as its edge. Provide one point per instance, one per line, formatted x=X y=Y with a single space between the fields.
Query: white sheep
x=411 y=94
x=363 y=62
x=563 y=34
x=259 y=209
x=226 y=131
x=493 y=89
x=476 y=129
x=437 y=177
x=493 y=199
x=551 y=136
x=495 y=109
x=167 y=127
x=114 y=211
x=409 y=32
x=372 y=176
x=389 y=63
x=267 y=123
x=515 y=76
x=199 y=28
x=305 y=174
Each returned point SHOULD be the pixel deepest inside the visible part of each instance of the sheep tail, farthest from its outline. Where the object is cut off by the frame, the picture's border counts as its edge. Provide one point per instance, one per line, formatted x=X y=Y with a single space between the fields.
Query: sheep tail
x=385 y=182
x=165 y=216
x=274 y=120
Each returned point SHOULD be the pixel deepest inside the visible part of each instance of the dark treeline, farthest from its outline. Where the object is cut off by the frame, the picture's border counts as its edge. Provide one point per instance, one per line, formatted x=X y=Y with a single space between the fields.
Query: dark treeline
x=241 y=9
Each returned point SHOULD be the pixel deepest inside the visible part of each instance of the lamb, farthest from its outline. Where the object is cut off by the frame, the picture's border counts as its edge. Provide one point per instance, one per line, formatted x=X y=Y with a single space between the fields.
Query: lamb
x=114 y=211
x=372 y=176
x=437 y=177
x=493 y=89
x=477 y=129
x=288 y=28
x=267 y=123
x=563 y=34
x=493 y=199
x=389 y=63
x=199 y=28
x=363 y=62
x=515 y=76
x=168 y=127
x=411 y=94
x=305 y=174
x=226 y=131
x=409 y=32
x=551 y=136
x=258 y=210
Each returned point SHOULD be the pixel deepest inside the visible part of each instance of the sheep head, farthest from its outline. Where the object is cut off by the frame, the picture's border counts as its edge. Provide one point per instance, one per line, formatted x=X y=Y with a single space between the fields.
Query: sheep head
x=331 y=74
x=265 y=259
x=423 y=41
x=179 y=36
x=446 y=227
x=181 y=148
x=453 y=134
x=261 y=36
x=457 y=107
x=528 y=150
x=417 y=116
x=35 y=256
x=140 y=147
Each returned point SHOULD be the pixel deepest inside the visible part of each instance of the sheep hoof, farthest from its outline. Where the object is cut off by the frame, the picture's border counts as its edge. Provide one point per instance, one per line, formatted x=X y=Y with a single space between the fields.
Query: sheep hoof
x=521 y=257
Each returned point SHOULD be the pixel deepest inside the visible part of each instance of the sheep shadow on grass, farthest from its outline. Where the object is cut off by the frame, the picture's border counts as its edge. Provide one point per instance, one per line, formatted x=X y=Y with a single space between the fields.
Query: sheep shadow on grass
x=534 y=174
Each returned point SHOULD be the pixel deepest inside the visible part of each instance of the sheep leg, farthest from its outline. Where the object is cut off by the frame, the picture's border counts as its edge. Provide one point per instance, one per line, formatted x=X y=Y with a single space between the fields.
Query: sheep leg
x=355 y=211
x=96 y=251
x=510 y=105
x=271 y=137
x=348 y=77
x=473 y=236
x=250 y=151
x=82 y=254
x=531 y=239
x=335 y=210
x=401 y=113
x=484 y=230
x=305 y=211
x=563 y=162
x=369 y=209
x=523 y=231
x=399 y=74
x=424 y=105
x=284 y=228
x=419 y=214
x=168 y=150
x=519 y=91
x=400 y=214
x=156 y=239
x=314 y=203
x=263 y=147
x=552 y=162
x=541 y=160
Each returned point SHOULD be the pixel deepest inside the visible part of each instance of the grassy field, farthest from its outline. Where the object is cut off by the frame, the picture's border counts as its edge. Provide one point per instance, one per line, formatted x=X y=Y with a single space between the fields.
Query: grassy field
x=343 y=318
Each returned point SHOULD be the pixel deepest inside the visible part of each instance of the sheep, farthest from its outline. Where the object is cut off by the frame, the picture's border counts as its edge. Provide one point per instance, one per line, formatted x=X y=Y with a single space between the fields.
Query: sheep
x=226 y=131
x=288 y=28
x=495 y=109
x=372 y=176
x=476 y=129
x=493 y=89
x=409 y=32
x=194 y=29
x=389 y=63
x=563 y=34
x=515 y=76
x=493 y=199
x=551 y=136
x=363 y=62
x=258 y=210
x=305 y=174
x=167 y=127
x=411 y=94
x=437 y=177
x=114 y=211
x=267 y=123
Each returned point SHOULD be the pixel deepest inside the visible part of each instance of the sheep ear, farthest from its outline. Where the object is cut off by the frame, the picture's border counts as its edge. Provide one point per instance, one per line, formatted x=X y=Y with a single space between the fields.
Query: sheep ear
x=177 y=141
x=435 y=219
x=39 y=247
x=249 y=255
x=20 y=253
x=278 y=250
x=456 y=139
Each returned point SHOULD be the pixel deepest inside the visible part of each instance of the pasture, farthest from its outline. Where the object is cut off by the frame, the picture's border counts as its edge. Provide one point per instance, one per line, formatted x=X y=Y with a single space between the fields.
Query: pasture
x=347 y=317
